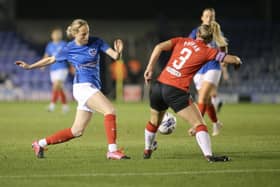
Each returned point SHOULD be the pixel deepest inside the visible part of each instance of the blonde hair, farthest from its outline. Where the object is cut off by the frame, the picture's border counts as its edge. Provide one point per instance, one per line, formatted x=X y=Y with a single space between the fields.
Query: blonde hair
x=218 y=37
x=73 y=28
x=205 y=32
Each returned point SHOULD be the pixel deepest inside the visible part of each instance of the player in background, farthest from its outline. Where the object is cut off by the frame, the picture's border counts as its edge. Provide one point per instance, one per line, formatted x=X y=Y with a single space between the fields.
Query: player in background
x=58 y=71
x=208 y=77
x=83 y=51
x=172 y=86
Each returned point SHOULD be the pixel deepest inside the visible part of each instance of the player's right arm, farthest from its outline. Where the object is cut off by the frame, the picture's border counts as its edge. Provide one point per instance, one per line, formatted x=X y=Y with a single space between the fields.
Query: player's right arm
x=163 y=46
x=232 y=59
x=223 y=57
x=41 y=63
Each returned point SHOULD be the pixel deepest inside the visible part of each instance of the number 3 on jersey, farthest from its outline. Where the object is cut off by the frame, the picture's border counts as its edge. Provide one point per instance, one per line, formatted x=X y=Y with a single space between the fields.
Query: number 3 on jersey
x=185 y=55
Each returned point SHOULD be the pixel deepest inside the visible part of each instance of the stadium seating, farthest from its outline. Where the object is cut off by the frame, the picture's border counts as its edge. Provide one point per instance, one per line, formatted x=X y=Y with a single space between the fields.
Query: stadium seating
x=35 y=84
x=257 y=43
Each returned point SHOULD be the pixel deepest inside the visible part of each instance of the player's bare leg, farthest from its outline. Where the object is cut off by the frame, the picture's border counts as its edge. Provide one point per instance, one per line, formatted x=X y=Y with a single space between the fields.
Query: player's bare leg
x=81 y=121
x=192 y=115
x=205 y=105
x=100 y=103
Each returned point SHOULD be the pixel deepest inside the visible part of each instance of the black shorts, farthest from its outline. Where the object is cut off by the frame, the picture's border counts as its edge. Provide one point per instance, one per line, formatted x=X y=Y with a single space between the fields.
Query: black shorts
x=163 y=96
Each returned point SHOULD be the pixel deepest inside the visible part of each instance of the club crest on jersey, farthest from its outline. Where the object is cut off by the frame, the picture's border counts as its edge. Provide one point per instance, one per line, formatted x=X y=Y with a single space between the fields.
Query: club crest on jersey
x=92 y=51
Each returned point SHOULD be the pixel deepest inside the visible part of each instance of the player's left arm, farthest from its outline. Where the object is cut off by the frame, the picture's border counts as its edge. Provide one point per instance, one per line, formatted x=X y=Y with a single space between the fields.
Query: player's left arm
x=223 y=57
x=116 y=53
x=232 y=59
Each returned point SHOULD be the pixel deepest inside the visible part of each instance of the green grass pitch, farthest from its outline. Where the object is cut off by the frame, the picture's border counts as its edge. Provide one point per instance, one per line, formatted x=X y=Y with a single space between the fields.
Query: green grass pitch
x=250 y=136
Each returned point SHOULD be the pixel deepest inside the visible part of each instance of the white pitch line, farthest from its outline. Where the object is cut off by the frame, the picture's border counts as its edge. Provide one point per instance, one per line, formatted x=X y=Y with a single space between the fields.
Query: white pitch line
x=141 y=174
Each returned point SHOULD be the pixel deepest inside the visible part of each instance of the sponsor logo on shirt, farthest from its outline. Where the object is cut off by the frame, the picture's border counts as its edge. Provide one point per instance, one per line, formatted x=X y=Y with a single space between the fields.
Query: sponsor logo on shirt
x=173 y=71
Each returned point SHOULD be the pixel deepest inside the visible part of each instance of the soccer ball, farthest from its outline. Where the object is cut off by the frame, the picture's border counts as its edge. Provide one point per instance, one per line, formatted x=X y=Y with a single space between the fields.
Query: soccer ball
x=168 y=124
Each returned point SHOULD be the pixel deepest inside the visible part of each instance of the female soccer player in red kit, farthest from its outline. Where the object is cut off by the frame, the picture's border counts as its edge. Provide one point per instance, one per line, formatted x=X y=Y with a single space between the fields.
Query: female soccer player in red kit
x=83 y=51
x=172 y=86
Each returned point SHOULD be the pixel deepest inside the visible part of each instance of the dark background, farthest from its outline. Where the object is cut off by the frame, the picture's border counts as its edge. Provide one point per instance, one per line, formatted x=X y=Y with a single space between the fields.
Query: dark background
x=144 y=9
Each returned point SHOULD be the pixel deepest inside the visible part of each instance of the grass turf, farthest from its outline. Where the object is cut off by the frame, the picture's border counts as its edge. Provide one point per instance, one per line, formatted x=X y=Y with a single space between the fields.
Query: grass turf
x=250 y=136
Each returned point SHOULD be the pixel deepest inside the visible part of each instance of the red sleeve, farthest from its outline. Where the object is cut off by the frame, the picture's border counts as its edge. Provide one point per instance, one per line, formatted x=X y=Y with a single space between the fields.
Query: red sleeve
x=175 y=40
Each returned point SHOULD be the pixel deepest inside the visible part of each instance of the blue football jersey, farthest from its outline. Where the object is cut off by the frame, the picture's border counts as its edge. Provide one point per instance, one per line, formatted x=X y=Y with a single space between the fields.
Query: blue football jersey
x=85 y=60
x=213 y=64
x=52 y=49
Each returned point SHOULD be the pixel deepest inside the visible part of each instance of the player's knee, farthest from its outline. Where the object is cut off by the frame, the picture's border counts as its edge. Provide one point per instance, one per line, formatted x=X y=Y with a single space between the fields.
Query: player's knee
x=203 y=99
x=109 y=111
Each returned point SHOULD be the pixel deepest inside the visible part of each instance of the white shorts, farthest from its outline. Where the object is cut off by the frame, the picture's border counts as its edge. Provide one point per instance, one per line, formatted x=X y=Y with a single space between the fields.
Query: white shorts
x=212 y=76
x=59 y=75
x=82 y=92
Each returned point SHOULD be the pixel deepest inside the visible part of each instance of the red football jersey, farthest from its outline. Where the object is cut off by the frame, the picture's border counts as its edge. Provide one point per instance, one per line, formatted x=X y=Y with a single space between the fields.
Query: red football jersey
x=187 y=58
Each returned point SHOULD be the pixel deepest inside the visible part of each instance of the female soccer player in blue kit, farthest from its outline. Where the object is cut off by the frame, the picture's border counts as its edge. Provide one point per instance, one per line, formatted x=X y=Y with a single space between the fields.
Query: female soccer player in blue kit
x=208 y=77
x=58 y=71
x=84 y=53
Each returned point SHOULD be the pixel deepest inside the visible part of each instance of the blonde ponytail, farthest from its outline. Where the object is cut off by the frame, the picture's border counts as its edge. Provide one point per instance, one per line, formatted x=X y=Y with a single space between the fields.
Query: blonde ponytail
x=218 y=37
x=68 y=32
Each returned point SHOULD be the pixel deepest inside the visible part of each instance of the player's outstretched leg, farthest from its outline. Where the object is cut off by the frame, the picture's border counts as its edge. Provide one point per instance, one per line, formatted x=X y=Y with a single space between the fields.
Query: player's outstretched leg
x=58 y=137
x=38 y=150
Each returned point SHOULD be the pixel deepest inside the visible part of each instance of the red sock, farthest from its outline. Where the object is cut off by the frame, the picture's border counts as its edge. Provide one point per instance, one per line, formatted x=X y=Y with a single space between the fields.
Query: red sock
x=210 y=110
x=202 y=108
x=201 y=127
x=55 y=94
x=151 y=128
x=62 y=96
x=60 y=136
x=110 y=128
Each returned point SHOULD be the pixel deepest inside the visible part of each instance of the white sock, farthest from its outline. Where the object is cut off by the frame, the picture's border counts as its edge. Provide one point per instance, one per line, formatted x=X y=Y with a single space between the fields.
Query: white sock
x=112 y=147
x=51 y=106
x=204 y=142
x=65 y=108
x=43 y=143
x=149 y=139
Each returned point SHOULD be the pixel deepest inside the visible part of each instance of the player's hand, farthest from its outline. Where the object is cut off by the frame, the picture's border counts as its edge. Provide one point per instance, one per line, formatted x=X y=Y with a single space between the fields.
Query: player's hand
x=237 y=65
x=22 y=64
x=148 y=76
x=118 y=45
